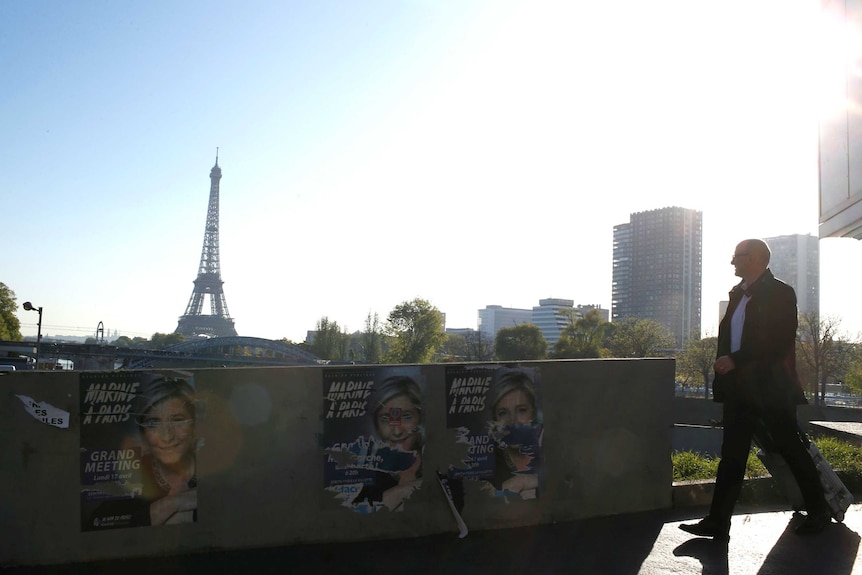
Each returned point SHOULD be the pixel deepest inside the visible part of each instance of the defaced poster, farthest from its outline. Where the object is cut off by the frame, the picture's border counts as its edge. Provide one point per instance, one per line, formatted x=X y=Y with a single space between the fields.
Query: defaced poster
x=496 y=412
x=138 y=450
x=374 y=435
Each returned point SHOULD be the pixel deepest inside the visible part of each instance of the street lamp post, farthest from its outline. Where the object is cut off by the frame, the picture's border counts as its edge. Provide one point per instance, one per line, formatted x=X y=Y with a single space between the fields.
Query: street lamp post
x=29 y=307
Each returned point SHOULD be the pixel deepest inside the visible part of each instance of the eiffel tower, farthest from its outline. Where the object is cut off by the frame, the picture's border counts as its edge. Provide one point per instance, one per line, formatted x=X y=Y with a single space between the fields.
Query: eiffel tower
x=218 y=323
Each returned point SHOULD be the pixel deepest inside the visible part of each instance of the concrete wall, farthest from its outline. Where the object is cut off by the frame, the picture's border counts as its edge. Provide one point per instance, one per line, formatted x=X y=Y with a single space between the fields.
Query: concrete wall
x=607 y=444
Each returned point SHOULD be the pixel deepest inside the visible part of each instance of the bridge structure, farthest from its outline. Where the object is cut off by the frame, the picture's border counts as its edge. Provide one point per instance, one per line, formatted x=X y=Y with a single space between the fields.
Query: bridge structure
x=230 y=351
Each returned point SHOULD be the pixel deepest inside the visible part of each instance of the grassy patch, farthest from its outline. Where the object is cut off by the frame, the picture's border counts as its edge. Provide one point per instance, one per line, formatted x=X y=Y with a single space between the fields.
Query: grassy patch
x=691 y=466
x=842 y=456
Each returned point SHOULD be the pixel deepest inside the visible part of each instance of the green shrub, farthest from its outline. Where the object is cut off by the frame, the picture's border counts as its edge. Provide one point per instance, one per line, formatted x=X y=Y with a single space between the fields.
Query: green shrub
x=691 y=466
x=754 y=467
x=841 y=455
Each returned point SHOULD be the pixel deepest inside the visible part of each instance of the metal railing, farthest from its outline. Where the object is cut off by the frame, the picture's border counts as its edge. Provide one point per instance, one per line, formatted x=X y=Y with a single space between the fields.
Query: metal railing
x=832 y=399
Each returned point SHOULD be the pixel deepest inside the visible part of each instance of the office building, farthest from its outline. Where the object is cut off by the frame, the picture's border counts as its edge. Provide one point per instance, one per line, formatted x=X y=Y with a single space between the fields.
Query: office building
x=581 y=311
x=621 y=293
x=796 y=261
x=494 y=317
x=551 y=316
x=657 y=270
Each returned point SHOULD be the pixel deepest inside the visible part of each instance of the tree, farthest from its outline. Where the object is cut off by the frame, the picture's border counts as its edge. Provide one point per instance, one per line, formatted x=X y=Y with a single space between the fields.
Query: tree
x=344 y=344
x=135 y=342
x=471 y=346
x=453 y=349
x=634 y=337
x=582 y=338
x=163 y=340
x=329 y=340
x=10 y=326
x=479 y=347
x=696 y=360
x=819 y=353
x=521 y=342
x=417 y=332
x=371 y=340
x=853 y=375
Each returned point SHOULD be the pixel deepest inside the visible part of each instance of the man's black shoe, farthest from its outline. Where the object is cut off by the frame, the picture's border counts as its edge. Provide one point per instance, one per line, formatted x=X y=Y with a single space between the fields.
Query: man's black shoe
x=708 y=527
x=814 y=523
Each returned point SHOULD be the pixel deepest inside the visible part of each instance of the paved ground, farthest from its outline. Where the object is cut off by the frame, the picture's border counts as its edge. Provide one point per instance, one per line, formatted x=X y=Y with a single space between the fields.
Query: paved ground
x=762 y=543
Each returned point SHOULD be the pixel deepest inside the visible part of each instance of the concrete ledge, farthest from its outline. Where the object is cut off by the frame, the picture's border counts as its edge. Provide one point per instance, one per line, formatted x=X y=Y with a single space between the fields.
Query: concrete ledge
x=755 y=491
x=849 y=431
x=692 y=493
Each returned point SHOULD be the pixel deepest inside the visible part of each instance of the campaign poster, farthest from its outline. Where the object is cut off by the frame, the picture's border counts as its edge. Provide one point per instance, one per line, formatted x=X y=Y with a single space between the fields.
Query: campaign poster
x=497 y=412
x=138 y=450
x=374 y=436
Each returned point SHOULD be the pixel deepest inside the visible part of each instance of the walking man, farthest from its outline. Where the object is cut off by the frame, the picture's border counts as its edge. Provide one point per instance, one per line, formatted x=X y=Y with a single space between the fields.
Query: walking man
x=755 y=379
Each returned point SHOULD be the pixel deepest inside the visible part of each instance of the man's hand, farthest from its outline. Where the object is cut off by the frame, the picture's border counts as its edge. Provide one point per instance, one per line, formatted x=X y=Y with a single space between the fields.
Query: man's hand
x=723 y=364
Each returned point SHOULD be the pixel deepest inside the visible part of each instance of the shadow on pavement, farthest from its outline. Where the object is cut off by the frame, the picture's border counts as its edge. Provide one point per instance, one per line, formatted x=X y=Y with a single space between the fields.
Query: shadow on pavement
x=711 y=554
x=617 y=545
x=832 y=552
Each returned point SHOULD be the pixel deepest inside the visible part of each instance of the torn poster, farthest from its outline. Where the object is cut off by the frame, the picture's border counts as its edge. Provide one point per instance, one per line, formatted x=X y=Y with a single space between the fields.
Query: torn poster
x=45 y=412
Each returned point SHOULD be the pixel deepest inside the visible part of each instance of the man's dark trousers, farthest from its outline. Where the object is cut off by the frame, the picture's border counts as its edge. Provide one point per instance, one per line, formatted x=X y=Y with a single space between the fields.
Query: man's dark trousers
x=740 y=422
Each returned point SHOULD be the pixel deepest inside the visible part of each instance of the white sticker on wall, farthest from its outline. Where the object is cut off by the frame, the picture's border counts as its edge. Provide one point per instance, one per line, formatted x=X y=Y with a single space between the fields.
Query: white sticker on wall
x=45 y=412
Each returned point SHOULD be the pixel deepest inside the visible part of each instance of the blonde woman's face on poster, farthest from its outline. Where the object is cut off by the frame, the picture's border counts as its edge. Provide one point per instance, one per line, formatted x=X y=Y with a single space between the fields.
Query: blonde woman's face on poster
x=169 y=431
x=514 y=408
x=398 y=423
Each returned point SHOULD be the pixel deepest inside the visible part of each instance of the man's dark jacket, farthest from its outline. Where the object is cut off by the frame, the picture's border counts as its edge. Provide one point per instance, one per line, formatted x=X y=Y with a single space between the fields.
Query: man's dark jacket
x=765 y=374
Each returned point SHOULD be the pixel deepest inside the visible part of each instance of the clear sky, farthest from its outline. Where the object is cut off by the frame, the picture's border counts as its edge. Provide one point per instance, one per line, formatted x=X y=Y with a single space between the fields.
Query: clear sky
x=467 y=152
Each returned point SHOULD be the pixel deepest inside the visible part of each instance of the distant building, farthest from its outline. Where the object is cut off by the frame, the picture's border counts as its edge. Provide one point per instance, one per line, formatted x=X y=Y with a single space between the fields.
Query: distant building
x=550 y=317
x=657 y=269
x=494 y=317
x=465 y=331
x=547 y=316
x=796 y=261
x=621 y=285
x=581 y=311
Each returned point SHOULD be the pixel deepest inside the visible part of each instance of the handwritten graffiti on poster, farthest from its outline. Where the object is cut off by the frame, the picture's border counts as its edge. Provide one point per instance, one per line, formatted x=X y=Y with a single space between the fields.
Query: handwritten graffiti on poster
x=138 y=450
x=466 y=390
x=374 y=435
x=497 y=413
